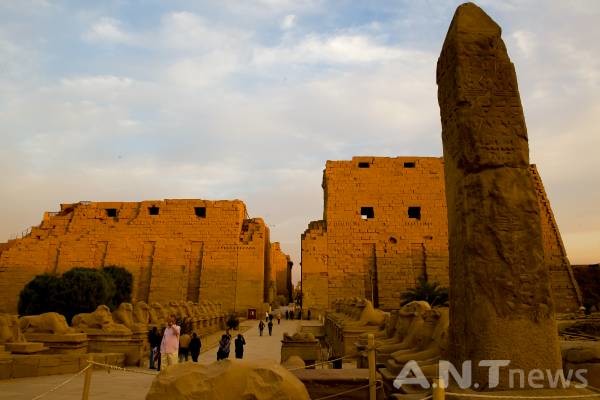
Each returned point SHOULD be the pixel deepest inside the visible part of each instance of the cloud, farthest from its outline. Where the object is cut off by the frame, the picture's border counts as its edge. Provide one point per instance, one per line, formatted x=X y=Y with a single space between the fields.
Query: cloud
x=336 y=49
x=240 y=100
x=525 y=42
x=187 y=31
x=109 y=30
x=97 y=83
x=288 y=22
x=208 y=70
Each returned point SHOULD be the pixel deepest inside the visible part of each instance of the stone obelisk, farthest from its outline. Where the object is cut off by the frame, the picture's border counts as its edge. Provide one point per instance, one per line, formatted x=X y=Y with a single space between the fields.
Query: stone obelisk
x=500 y=300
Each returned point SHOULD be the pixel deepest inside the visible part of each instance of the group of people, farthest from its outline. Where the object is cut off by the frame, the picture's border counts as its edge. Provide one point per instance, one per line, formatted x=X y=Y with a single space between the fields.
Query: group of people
x=225 y=345
x=290 y=314
x=169 y=346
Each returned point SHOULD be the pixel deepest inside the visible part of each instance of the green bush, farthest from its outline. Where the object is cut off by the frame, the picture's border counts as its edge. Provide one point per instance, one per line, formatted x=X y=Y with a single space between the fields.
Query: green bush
x=42 y=294
x=76 y=291
x=123 y=282
x=85 y=289
x=432 y=293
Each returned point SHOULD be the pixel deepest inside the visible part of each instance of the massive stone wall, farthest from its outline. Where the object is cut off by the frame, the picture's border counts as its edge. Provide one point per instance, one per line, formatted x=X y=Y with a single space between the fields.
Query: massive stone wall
x=339 y=252
x=281 y=272
x=384 y=227
x=564 y=285
x=175 y=249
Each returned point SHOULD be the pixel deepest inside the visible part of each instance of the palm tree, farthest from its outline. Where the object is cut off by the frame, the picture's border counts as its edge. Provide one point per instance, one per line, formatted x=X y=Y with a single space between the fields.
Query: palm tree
x=432 y=293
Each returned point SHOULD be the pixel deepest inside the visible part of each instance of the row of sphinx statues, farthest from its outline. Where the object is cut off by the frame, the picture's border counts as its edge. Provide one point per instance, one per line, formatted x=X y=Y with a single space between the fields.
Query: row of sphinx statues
x=125 y=319
x=415 y=332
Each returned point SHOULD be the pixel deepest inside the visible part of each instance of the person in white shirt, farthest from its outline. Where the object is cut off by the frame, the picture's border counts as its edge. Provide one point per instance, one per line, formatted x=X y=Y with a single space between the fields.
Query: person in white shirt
x=169 y=347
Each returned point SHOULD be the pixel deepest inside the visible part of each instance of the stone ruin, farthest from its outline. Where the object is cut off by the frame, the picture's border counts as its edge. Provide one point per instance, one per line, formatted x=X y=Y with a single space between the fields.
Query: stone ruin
x=399 y=332
x=51 y=330
x=176 y=250
x=12 y=340
x=385 y=224
x=303 y=345
x=351 y=318
x=500 y=295
x=228 y=380
x=45 y=344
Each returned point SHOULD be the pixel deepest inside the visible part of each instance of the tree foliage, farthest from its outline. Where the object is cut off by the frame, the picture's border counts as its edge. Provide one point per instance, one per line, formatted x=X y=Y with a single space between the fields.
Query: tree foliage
x=123 y=281
x=86 y=289
x=432 y=293
x=42 y=294
x=76 y=291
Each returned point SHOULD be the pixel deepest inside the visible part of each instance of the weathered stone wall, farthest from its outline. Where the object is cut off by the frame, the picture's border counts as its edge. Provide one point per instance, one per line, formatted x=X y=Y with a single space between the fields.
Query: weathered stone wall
x=564 y=285
x=315 y=276
x=189 y=250
x=376 y=256
x=337 y=253
x=281 y=273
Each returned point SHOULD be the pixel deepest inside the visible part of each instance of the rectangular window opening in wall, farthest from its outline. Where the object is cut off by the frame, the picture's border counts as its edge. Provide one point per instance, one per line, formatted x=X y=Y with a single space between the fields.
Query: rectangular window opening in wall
x=414 y=212
x=111 y=212
x=367 y=213
x=363 y=165
x=409 y=164
x=200 y=212
x=153 y=210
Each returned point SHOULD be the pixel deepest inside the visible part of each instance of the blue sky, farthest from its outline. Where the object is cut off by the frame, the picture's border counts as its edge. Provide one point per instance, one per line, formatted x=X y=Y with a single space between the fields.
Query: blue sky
x=133 y=100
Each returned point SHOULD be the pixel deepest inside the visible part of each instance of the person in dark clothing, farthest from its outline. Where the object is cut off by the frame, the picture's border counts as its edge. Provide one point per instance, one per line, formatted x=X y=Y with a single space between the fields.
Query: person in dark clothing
x=157 y=357
x=287 y=314
x=270 y=325
x=224 y=346
x=261 y=327
x=154 y=339
x=239 y=346
x=308 y=314
x=195 y=346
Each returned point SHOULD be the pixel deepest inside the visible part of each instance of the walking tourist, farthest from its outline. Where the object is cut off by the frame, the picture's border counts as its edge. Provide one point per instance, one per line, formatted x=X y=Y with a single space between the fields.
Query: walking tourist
x=270 y=325
x=261 y=327
x=278 y=318
x=154 y=340
x=239 y=346
x=184 y=343
x=224 y=346
x=169 y=346
x=195 y=346
x=308 y=313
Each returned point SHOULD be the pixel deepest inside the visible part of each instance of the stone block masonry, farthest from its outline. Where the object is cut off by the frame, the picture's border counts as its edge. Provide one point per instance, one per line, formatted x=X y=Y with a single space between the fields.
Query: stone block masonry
x=176 y=250
x=385 y=225
x=282 y=271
